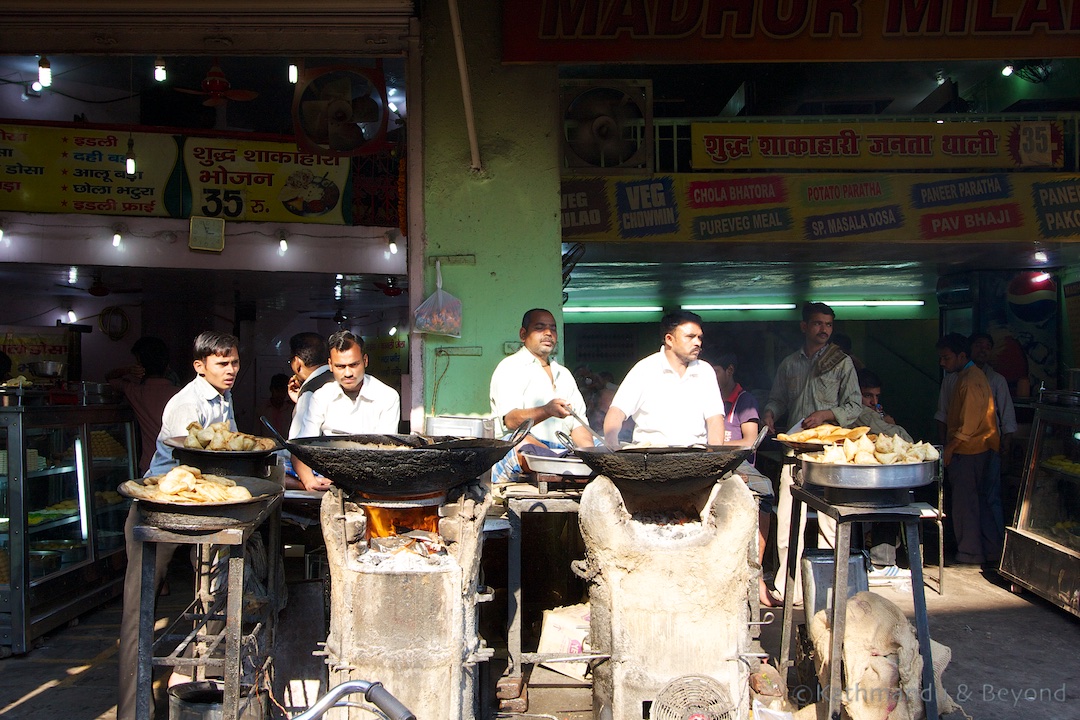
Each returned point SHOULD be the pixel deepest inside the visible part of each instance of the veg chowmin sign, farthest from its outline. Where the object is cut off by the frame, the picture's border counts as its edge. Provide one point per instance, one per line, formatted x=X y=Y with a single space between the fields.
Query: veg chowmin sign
x=75 y=170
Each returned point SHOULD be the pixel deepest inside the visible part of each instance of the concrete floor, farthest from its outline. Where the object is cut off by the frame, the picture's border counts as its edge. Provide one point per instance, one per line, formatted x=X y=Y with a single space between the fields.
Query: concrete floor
x=1013 y=657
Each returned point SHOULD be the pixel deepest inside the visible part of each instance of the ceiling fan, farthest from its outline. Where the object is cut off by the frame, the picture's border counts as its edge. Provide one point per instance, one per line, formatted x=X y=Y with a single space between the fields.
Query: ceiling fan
x=218 y=90
x=98 y=288
x=390 y=288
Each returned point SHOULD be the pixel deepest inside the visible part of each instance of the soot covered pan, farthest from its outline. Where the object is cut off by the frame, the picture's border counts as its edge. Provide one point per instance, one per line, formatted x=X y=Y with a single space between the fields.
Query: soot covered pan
x=666 y=469
x=399 y=465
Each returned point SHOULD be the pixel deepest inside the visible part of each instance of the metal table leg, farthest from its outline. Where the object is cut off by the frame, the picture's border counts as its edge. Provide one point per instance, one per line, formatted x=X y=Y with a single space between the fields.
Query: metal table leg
x=144 y=674
x=513 y=595
x=789 y=586
x=839 y=617
x=922 y=622
x=233 y=622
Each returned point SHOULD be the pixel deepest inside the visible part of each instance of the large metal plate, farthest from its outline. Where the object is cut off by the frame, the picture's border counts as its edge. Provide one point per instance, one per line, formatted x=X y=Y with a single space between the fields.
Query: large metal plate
x=869 y=477
x=209 y=515
x=177 y=443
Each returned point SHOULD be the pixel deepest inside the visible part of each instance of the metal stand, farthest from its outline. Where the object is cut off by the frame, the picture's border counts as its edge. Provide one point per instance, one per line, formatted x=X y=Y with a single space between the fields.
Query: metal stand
x=906 y=515
x=206 y=612
x=522 y=499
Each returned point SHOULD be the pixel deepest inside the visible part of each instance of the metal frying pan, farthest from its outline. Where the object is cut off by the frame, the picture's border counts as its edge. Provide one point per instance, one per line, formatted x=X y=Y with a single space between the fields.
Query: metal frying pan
x=399 y=465
x=667 y=469
x=194 y=516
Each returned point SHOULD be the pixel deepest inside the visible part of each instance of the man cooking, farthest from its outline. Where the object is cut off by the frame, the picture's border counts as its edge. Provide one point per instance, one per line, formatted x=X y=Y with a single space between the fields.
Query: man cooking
x=357 y=403
x=672 y=396
x=310 y=372
x=531 y=385
x=814 y=385
x=206 y=400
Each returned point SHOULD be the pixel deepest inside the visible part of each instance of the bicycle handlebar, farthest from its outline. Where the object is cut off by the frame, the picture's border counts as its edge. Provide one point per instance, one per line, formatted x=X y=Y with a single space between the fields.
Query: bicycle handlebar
x=374 y=693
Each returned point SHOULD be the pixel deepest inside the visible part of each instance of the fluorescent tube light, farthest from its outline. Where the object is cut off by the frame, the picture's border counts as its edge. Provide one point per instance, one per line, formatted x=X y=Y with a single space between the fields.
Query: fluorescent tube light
x=614 y=309
x=875 y=303
x=736 y=306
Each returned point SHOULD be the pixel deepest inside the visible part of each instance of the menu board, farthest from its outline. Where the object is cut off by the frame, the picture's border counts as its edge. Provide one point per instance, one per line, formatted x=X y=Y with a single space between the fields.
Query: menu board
x=75 y=170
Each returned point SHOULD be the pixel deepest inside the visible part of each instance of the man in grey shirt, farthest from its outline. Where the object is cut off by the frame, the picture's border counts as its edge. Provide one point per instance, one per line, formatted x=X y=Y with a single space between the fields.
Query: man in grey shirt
x=814 y=385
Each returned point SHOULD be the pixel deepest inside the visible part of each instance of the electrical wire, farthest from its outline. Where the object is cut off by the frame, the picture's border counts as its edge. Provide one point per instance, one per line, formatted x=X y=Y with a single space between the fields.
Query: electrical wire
x=106 y=319
x=22 y=320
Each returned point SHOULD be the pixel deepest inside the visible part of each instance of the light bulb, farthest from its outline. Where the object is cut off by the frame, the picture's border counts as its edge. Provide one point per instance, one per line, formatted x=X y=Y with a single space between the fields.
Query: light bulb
x=1007 y=70
x=393 y=248
x=72 y=317
x=116 y=238
x=337 y=292
x=393 y=330
x=1 y=233
x=159 y=69
x=36 y=86
x=294 y=73
x=44 y=72
x=283 y=245
x=1040 y=256
x=130 y=157
x=392 y=106
x=73 y=275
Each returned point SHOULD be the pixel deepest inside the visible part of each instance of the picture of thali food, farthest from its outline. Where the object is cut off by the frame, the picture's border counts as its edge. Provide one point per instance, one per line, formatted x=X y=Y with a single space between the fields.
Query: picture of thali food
x=306 y=195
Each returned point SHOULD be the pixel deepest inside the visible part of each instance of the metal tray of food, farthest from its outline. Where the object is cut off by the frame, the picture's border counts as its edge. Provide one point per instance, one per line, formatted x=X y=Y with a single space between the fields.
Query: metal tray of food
x=869 y=477
x=208 y=515
x=804 y=446
x=569 y=465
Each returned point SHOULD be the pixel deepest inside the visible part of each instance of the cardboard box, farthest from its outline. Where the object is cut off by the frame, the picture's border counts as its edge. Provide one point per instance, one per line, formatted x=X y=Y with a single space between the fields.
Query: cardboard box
x=566 y=630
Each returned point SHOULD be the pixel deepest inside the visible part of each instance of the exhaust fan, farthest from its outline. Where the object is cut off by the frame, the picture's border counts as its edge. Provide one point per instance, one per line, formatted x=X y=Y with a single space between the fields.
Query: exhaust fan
x=341 y=110
x=607 y=126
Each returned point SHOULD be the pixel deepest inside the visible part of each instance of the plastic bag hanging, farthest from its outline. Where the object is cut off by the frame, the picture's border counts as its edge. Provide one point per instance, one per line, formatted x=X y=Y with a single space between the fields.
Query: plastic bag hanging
x=440 y=314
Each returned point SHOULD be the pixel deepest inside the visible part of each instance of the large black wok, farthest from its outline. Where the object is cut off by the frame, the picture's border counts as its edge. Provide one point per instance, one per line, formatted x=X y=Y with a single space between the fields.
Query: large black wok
x=400 y=465
x=666 y=469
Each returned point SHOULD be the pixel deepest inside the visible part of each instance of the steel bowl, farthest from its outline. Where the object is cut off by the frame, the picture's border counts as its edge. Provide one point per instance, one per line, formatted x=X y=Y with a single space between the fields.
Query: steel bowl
x=47 y=368
x=869 y=477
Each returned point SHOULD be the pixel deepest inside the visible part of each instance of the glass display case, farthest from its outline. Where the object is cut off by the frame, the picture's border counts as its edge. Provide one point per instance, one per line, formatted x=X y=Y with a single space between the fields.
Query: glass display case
x=61 y=519
x=1042 y=548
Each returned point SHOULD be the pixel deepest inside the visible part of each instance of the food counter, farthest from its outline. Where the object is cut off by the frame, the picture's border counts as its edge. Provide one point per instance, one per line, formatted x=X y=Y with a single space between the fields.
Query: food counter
x=1042 y=548
x=61 y=519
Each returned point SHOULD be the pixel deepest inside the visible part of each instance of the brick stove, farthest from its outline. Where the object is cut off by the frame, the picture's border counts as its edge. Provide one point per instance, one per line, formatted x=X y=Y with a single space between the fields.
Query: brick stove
x=405 y=619
x=671 y=584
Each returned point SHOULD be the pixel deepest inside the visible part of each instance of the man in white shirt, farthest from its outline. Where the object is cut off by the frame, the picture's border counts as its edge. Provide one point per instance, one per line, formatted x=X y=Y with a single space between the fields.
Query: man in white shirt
x=207 y=399
x=673 y=397
x=356 y=404
x=531 y=385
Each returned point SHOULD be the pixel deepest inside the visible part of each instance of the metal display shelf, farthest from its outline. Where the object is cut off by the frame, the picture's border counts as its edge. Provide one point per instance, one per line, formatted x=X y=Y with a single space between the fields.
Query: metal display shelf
x=1042 y=547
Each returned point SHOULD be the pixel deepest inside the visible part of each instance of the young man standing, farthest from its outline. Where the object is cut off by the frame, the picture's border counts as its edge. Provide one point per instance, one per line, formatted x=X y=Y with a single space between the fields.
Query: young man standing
x=814 y=385
x=971 y=437
x=206 y=400
x=672 y=396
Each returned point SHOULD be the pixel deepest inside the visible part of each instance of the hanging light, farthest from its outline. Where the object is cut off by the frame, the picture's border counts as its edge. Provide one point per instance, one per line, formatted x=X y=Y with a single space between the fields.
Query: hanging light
x=72 y=317
x=393 y=330
x=391 y=241
x=1008 y=70
x=118 y=235
x=283 y=242
x=294 y=73
x=130 y=157
x=1041 y=257
x=44 y=72
x=159 y=69
x=73 y=275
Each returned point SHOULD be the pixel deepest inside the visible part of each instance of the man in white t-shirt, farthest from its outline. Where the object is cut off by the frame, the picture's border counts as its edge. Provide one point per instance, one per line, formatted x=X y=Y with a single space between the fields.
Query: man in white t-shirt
x=531 y=385
x=673 y=398
x=357 y=403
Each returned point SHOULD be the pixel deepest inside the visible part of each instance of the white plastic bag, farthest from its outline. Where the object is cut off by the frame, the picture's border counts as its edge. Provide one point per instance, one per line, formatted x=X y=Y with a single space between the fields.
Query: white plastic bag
x=440 y=314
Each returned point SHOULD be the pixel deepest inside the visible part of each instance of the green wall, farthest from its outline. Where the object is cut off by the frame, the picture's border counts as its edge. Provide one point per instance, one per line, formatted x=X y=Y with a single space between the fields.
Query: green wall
x=506 y=216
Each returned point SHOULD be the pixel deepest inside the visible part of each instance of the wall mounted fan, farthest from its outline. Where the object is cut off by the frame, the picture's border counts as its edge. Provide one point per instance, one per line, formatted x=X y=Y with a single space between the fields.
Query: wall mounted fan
x=607 y=126
x=693 y=697
x=218 y=90
x=341 y=110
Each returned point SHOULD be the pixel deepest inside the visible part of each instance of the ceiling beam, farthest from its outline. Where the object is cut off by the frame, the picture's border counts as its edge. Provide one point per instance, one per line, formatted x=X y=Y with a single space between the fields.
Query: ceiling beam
x=207 y=27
